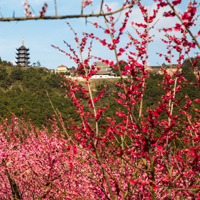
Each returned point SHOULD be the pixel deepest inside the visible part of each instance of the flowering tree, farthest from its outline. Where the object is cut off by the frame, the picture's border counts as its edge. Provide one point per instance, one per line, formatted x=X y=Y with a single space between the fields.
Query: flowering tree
x=137 y=158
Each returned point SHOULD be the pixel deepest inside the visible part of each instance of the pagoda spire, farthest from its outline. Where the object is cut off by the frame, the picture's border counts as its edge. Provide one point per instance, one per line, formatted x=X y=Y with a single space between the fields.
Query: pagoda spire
x=22 y=41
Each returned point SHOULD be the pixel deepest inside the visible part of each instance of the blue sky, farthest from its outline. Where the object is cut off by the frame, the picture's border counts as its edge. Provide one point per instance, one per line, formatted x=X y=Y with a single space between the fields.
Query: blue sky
x=39 y=35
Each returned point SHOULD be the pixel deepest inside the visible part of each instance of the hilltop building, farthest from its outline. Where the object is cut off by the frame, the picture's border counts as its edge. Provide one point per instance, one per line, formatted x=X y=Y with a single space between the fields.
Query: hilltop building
x=154 y=69
x=22 y=55
x=157 y=69
x=104 y=72
x=62 y=69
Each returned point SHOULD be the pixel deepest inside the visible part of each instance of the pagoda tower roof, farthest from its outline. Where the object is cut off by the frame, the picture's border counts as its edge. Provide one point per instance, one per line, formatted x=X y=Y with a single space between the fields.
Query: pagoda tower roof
x=23 y=48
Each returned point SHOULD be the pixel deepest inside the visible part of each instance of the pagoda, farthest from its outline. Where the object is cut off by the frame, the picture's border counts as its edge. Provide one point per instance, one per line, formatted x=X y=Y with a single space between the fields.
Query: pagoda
x=22 y=55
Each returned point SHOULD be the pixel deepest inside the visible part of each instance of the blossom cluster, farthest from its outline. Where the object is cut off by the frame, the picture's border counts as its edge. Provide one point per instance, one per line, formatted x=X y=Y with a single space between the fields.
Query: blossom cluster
x=86 y=2
x=29 y=14
x=26 y=11
x=43 y=11
x=135 y=153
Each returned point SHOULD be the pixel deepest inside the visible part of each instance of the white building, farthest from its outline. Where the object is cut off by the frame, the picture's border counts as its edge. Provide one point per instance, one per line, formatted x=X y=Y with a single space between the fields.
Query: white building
x=61 y=69
x=104 y=72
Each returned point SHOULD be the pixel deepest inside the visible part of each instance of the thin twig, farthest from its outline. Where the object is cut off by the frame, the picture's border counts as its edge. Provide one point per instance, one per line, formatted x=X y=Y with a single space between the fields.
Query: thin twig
x=123 y=82
x=143 y=84
x=33 y=11
x=27 y=7
x=101 y=8
x=88 y=85
x=1 y=13
x=82 y=8
x=57 y=115
x=55 y=8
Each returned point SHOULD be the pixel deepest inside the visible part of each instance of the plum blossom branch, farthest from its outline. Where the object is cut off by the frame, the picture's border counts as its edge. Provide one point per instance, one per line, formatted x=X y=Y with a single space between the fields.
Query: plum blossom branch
x=60 y=17
x=26 y=11
x=186 y=27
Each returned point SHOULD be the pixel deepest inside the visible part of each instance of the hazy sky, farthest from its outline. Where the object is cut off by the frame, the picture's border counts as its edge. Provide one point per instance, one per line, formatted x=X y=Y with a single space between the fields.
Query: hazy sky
x=39 y=35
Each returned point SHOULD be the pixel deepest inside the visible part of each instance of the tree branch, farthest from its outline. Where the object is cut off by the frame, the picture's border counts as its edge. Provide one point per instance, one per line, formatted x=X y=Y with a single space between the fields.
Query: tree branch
x=60 y=17
x=101 y=6
x=188 y=30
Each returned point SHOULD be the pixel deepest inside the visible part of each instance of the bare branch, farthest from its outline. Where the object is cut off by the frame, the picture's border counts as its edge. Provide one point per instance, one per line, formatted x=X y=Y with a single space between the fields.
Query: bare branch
x=1 y=13
x=64 y=129
x=143 y=84
x=55 y=8
x=61 y=17
x=81 y=9
x=101 y=6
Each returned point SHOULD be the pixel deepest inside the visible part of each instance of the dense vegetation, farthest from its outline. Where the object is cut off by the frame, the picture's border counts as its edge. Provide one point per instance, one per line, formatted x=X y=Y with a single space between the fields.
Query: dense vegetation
x=24 y=90
x=153 y=91
x=134 y=138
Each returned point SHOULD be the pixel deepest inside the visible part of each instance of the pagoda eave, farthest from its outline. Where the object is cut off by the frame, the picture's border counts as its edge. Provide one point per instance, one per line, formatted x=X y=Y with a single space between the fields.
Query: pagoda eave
x=22 y=62
x=25 y=58
x=22 y=54
x=22 y=49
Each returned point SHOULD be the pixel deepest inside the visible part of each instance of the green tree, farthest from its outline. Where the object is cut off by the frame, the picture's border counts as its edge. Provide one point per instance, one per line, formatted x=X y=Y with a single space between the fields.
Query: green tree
x=187 y=66
x=16 y=74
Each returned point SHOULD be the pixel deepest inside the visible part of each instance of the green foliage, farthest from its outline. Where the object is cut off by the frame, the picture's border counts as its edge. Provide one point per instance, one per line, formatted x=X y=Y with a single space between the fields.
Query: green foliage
x=25 y=89
x=16 y=74
x=5 y=63
x=153 y=92
x=3 y=73
x=5 y=80
x=187 y=66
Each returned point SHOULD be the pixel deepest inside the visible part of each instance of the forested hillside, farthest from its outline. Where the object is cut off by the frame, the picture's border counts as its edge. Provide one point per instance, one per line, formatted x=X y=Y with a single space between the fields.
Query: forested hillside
x=102 y=139
x=24 y=90
x=154 y=89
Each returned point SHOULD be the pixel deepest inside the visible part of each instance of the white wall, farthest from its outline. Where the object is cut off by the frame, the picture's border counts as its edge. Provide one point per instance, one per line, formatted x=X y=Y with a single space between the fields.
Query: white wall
x=96 y=77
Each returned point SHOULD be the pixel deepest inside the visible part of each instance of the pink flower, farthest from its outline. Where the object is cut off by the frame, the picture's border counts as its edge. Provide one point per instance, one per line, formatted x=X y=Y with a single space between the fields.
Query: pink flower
x=121 y=50
x=107 y=31
x=111 y=63
x=176 y=2
x=96 y=24
x=127 y=67
x=159 y=148
x=86 y=2
x=115 y=41
x=133 y=181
